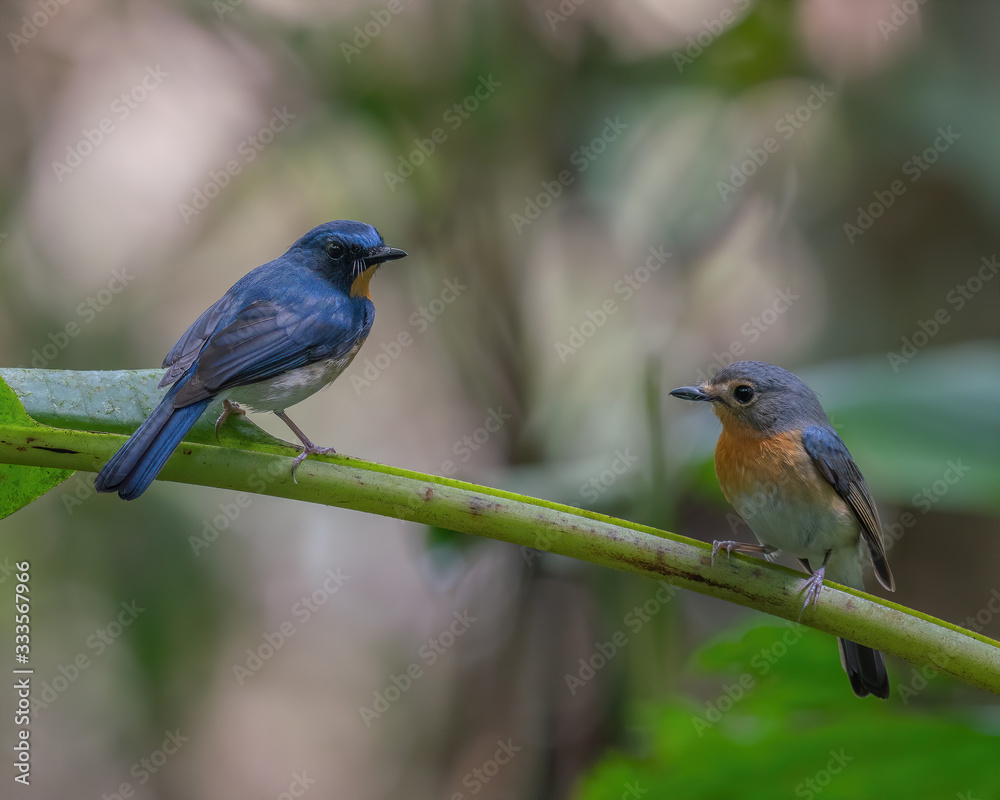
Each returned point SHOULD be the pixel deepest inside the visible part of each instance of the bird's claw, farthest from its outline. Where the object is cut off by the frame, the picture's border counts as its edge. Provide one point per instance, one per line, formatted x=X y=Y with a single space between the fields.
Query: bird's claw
x=716 y=546
x=228 y=408
x=812 y=586
x=308 y=448
x=309 y=451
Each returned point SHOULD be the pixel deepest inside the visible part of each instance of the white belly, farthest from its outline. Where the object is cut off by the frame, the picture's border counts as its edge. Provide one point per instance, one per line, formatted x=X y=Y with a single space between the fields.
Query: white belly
x=294 y=386
x=803 y=533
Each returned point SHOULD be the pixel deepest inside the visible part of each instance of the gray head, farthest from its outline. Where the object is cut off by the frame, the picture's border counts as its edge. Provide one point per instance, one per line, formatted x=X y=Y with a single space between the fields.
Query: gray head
x=763 y=397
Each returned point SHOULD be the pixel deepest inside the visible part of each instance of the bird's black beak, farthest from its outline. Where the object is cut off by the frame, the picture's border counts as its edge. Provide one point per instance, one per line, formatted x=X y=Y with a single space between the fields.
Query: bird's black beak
x=691 y=393
x=383 y=253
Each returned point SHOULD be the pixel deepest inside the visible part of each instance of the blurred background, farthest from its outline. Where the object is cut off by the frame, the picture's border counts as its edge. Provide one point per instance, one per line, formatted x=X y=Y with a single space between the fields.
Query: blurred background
x=601 y=201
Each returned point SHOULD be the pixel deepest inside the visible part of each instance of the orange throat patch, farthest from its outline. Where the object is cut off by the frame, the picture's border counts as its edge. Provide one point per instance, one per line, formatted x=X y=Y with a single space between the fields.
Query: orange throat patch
x=359 y=288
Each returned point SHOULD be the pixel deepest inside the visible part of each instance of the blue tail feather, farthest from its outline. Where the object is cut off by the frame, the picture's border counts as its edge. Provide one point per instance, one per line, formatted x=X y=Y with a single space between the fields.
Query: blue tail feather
x=133 y=468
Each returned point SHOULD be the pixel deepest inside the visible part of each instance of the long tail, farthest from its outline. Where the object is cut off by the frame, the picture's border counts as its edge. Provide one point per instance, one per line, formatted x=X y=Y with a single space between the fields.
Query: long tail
x=133 y=468
x=865 y=668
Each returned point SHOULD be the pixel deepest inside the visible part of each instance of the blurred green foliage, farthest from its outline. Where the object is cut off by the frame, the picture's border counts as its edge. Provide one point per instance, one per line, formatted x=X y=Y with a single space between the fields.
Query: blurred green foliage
x=781 y=722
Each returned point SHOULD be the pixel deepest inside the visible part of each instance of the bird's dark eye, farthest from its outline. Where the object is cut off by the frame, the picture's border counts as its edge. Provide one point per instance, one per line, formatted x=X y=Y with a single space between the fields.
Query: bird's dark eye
x=335 y=250
x=743 y=393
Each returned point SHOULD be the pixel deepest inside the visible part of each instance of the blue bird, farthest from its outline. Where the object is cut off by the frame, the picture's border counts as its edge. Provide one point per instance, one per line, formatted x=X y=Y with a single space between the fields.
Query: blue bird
x=280 y=334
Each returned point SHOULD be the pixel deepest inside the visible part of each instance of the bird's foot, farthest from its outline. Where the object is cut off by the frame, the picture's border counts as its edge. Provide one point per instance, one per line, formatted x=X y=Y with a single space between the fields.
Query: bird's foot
x=228 y=408
x=727 y=546
x=812 y=587
x=308 y=448
x=741 y=547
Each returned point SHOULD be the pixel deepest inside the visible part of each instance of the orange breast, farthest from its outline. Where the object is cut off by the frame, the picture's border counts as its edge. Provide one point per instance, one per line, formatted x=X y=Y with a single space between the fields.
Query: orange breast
x=747 y=462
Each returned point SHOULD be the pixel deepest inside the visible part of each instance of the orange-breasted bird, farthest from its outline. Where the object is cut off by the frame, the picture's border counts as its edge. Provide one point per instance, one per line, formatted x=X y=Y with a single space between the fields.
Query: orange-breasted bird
x=787 y=473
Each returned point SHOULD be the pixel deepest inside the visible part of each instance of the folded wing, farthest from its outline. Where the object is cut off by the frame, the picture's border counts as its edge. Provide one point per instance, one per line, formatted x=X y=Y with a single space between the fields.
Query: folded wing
x=835 y=464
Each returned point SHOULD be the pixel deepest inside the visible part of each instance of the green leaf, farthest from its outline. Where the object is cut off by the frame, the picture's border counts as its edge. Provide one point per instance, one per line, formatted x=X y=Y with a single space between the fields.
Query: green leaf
x=116 y=401
x=19 y=485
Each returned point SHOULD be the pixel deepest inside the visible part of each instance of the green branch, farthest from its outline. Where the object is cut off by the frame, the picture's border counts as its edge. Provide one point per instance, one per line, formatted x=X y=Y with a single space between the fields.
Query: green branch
x=249 y=460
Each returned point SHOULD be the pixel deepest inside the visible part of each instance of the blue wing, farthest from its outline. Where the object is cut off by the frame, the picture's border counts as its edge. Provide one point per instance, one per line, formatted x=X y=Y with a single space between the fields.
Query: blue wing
x=835 y=464
x=267 y=338
x=183 y=354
